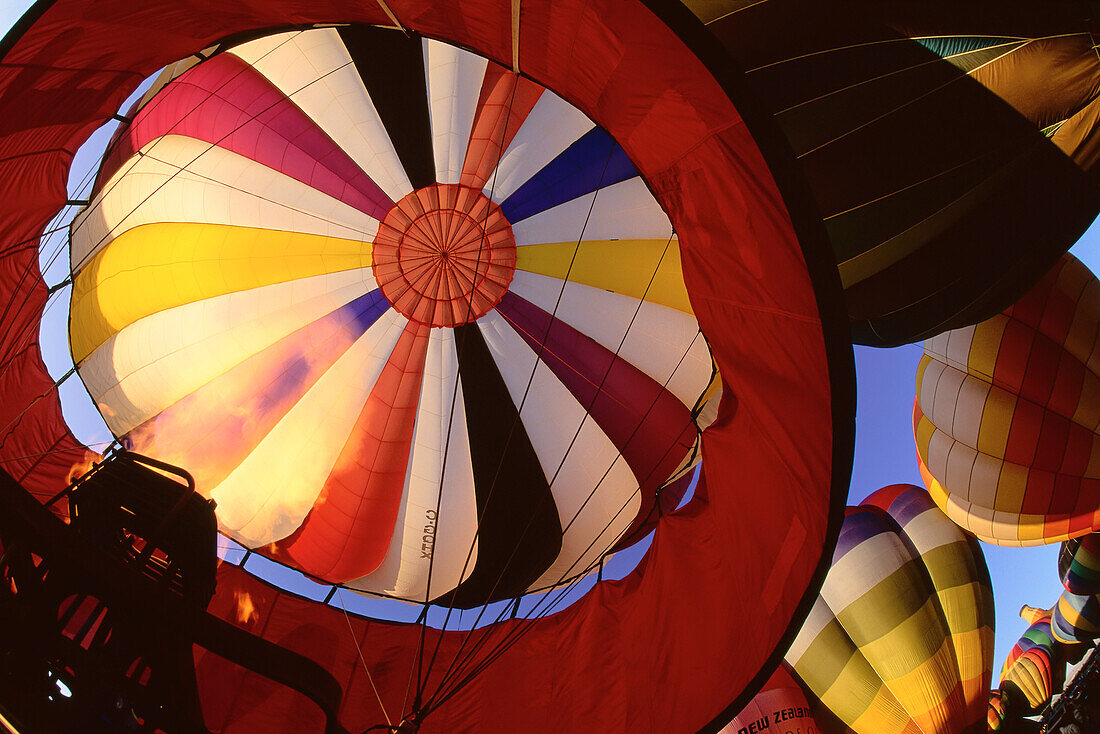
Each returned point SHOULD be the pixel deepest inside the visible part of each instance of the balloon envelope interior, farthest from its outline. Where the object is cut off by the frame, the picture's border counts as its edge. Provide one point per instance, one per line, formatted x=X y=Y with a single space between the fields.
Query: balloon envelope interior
x=412 y=320
x=759 y=278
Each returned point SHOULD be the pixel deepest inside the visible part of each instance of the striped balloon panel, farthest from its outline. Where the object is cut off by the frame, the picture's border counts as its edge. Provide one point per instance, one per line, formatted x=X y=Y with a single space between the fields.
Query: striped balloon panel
x=959 y=575
x=1081 y=570
x=414 y=322
x=1007 y=411
x=1028 y=665
x=1076 y=618
x=831 y=665
x=903 y=578
x=995 y=715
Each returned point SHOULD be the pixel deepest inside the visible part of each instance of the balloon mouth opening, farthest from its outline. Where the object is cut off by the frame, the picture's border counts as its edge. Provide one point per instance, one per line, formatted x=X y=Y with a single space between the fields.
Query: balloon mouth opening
x=444 y=255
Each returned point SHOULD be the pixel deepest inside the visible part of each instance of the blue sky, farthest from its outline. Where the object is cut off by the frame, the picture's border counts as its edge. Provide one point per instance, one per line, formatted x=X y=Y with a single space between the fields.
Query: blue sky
x=885 y=452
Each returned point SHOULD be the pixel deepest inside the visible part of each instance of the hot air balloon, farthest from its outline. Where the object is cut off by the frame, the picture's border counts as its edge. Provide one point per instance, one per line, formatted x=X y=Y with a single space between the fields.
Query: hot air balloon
x=900 y=638
x=950 y=148
x=780 y=706
x=511 y=312
x=1079 y=564
x=1076 y=618
x=1006 y=415
x=318 y=270
x=1033 y=663
x=996 y=714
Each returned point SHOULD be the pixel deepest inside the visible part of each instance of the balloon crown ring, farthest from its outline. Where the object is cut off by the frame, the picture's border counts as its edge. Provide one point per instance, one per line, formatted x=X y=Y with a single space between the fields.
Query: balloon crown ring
x=444 y=255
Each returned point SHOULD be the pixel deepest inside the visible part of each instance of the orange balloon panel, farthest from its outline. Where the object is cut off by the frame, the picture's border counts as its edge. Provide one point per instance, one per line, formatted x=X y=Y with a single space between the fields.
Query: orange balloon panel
x=1007 y=412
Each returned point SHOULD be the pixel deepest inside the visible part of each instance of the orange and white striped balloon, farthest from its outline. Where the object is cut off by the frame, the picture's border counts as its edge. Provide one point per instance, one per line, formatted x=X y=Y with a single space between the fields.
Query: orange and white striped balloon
x=1007 y=413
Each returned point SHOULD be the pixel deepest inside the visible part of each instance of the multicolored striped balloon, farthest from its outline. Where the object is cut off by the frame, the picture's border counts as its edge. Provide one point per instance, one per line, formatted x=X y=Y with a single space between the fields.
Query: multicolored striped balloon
x=995 y=716
x=1076 y=618
x=1079 y=564
x=1029 y=666
x=415 y=322
x=903 y=578
x=1007 y=413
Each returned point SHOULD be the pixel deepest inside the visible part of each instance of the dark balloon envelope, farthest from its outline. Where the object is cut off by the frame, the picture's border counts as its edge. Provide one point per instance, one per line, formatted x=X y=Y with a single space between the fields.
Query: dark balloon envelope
x=950 y=148
x=756 y=272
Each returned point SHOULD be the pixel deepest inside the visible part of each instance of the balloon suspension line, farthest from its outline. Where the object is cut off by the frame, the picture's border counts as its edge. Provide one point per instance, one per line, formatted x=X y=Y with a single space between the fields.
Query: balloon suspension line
x=28 y=243
x=22 y=340
x=513 y=636
x=366 y=669
x=421 y=674
x=88 y=177
x=39 y=243
x=511 y=557
x=514 y=609
x=502 y=645
x=392 y=16
x=210 y=146
x=511 y=433
x=27 y=330
x=9 y=429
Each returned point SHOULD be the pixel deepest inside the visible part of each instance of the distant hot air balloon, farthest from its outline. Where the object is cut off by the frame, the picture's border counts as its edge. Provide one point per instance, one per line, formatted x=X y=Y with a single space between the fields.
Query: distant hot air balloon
x=779 y=707
x=904 y=578
x=951 y=148
x=1007 y=412
x=995 y=716
x=1079 y=564
x=435 y=299
x=1076 y=618
x=1032 y=665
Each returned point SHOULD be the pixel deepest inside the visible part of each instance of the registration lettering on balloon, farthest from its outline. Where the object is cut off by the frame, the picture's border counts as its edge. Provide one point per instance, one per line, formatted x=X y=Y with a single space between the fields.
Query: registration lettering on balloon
x=766 y=723
x=779 y=708
x=429 y=534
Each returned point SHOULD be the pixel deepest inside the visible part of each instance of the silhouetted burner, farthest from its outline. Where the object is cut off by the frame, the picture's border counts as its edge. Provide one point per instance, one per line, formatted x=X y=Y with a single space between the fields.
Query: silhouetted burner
x=137 y=509
x=74 y=656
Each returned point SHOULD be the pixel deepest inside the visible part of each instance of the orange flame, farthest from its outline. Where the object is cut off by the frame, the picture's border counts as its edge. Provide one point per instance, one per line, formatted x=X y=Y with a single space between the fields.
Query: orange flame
x=239 y=400
x=82 y=467
x=246 y=610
